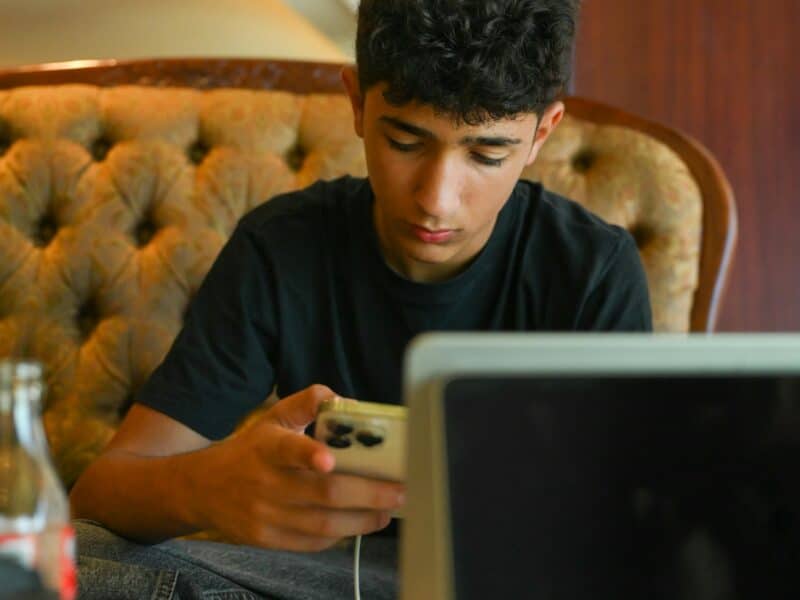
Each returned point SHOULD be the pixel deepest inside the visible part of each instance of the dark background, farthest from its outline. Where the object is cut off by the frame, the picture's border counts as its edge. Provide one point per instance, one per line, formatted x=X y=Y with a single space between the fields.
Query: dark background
x=726 y=72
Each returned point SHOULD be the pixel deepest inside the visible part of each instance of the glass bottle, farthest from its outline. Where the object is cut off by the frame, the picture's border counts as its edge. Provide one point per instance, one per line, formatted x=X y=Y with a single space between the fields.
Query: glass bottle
x=35 y=532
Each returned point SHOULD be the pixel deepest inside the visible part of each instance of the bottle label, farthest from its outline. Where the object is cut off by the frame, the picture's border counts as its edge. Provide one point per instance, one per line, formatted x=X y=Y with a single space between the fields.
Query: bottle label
x=50 y=553
x=68 y=579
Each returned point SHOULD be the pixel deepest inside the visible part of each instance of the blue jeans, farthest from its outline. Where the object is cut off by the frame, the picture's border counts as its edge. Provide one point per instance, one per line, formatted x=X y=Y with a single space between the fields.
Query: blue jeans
x=114 y=568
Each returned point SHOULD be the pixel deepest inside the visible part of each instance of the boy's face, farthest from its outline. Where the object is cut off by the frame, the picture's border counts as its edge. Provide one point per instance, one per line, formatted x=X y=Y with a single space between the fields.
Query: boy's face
x=439 y=186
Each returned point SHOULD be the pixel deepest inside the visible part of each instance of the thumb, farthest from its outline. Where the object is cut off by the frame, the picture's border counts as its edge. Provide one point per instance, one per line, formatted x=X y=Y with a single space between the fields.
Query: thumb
x=297 y=411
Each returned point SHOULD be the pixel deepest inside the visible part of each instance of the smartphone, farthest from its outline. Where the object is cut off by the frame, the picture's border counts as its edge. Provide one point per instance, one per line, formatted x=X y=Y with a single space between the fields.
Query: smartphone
x=366 y=438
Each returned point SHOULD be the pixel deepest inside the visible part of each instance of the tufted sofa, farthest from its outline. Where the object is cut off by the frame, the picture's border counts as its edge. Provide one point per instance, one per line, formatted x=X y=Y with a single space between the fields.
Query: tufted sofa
x=120 y=182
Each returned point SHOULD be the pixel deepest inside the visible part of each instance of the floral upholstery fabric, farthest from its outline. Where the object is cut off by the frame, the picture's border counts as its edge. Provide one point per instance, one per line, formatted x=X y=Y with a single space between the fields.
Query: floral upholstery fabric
x=115 y=201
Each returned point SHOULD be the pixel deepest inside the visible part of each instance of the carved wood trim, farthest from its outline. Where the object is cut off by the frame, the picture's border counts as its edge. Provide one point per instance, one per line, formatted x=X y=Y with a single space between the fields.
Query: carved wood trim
x=200 y=73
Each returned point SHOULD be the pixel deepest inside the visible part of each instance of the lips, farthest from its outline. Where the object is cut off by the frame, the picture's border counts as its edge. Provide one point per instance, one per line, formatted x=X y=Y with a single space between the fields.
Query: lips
x=429 y=236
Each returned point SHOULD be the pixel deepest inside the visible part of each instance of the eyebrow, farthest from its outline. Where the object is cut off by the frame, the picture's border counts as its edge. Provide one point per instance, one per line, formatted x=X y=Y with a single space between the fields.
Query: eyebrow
x=470 y=140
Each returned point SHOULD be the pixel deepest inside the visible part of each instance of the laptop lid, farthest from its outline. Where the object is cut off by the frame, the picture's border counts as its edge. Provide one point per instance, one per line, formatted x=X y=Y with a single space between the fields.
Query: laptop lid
x=603 y=465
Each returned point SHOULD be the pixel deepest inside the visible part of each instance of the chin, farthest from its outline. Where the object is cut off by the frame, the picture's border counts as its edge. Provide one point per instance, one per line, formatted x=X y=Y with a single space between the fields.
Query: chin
x=430 y=255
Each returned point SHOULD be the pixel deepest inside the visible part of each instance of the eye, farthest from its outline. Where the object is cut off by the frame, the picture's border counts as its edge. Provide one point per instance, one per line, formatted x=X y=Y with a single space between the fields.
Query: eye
x=403 y=147
x=485 y=160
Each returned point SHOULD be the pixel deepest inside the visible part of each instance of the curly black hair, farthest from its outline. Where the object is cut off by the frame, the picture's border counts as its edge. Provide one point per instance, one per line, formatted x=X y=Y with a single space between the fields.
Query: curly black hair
x=473 y=60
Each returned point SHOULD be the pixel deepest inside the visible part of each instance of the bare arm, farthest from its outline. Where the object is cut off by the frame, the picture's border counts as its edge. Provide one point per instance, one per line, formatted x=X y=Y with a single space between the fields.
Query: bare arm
x=269 y=485
x=141 y=486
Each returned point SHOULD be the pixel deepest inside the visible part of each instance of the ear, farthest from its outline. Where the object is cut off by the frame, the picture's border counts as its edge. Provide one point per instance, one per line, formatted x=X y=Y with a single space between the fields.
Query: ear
x=551 y=117
x=350 y=80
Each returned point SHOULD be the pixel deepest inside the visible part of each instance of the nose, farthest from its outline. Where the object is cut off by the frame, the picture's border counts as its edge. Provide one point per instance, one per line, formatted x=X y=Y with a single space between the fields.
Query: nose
x=438 y=188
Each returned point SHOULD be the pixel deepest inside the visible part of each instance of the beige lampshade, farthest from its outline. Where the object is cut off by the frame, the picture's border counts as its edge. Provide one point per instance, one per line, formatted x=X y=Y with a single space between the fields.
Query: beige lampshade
x=37 y=31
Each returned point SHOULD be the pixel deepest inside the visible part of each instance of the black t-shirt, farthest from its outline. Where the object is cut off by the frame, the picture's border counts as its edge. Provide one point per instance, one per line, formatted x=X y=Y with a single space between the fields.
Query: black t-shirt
x=301 y=294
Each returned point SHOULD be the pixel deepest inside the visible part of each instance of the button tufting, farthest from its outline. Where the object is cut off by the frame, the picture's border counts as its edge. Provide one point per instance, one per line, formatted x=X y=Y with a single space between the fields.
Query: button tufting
x=88 y=318
x=100 y=148
x=584 y=160
x=197 y=152
x=45 y=231
x=125 y=405
x=295 y=157
x=144 y=232
x=642 y=235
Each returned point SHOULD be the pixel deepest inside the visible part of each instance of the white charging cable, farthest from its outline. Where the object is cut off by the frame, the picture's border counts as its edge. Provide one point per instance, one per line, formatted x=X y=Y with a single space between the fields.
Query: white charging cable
x=356 y=560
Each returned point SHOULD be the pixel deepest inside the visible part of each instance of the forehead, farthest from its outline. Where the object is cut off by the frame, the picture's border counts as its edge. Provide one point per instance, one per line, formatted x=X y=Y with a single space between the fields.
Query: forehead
x=440 y=124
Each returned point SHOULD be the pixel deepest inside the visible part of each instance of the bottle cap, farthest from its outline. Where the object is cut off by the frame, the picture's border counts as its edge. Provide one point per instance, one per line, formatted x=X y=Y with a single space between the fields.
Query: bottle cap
x=20 y=370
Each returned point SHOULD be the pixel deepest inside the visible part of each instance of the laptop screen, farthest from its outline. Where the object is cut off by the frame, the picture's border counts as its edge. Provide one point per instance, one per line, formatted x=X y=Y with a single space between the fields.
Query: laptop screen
x=612 y=487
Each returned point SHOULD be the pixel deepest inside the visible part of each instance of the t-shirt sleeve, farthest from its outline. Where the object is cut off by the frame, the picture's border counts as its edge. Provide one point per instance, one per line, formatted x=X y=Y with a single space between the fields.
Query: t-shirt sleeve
x=620 y=300
x=221 y=364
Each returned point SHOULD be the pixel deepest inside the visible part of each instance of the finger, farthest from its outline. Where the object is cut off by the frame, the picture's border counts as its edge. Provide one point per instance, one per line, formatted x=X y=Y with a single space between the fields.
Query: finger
x=342 y=491
x=331 y=523
x=299 y=410
x=269 y=536
x=287 y=448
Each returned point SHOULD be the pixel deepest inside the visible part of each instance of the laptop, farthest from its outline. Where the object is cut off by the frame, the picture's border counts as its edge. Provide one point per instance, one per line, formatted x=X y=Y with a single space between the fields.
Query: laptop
x=602 y=466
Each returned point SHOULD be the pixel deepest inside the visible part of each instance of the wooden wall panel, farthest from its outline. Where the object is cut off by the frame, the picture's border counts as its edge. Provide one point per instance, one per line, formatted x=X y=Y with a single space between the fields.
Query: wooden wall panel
x=726 y=72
